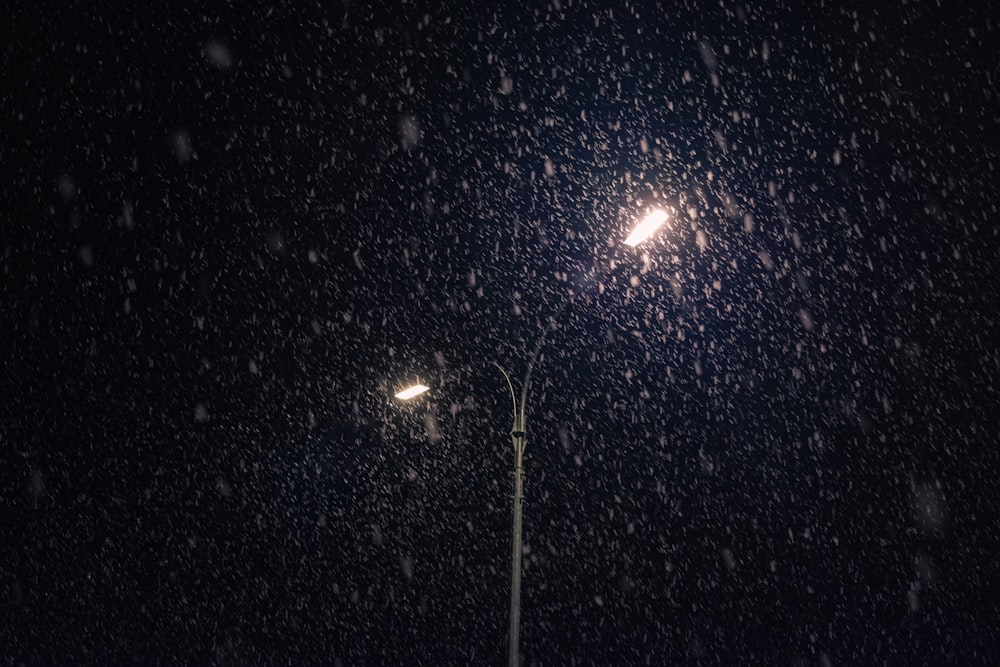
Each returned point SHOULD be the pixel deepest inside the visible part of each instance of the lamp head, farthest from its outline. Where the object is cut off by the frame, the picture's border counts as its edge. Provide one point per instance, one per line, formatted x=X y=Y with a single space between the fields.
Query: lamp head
x=410 y=392
x=645 y=229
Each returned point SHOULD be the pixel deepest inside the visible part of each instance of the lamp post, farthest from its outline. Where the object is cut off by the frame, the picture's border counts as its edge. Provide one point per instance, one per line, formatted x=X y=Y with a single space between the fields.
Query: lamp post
x=641 y=232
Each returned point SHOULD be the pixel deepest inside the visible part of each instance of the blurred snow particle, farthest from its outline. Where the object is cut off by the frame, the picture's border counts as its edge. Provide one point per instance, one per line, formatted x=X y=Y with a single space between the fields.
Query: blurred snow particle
x=802 y=281
x=765 y=259
x=729 y=559
x=406 y=566
x=748 y=223
x=913 y=601
x=928 y=506
x=676 y=285
x=925 y=569
x=127 y=215
x=276 y=243
x=217 y=54
x=409 y=132
x=223 y=488
x=720 y=141
x=506 y=85
x=37 y=483
x=564 y=438
x=706 y=464
x=200 y=413
x=836 y=157
x=87 y=255
x=708 y=55
x=806 y=319
x=701 y=239
x=66 y=187
x=431 y=426
x=550 y=169
x=182 y=145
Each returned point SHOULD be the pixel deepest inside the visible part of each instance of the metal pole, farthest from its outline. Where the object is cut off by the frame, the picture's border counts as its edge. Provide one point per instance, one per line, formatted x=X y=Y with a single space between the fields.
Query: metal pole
x=517 y=436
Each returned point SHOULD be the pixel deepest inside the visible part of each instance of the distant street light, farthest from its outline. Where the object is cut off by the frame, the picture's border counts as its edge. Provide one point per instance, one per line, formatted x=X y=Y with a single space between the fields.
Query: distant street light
x=643 y=231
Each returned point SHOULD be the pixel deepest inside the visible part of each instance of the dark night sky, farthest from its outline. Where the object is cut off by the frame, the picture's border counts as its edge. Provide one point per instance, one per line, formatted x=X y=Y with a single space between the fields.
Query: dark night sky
x=766 y=437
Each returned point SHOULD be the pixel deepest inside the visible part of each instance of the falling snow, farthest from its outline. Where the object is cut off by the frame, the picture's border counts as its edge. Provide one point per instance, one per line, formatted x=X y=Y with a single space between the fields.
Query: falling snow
x=766 y=434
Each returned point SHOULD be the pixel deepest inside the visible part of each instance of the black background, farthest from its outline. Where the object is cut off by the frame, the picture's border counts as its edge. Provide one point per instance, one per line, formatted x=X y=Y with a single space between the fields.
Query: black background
x=768 y=436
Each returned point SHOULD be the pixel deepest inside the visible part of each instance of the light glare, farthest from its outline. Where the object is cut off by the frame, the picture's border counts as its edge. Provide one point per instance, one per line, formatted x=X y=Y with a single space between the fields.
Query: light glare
x=410 y=392
x=647 y=227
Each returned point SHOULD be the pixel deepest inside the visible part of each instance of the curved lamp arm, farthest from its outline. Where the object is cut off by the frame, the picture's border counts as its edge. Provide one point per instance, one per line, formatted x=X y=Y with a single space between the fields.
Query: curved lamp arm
x=417 y=389
x=588 y=279
x=510 y=386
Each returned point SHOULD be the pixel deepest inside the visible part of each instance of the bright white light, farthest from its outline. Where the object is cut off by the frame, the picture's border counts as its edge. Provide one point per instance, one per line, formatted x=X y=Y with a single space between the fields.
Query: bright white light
x=410 y=392
x=647 y=227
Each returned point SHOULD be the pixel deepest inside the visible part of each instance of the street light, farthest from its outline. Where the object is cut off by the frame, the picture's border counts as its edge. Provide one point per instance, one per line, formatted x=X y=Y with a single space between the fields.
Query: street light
x=647 y=227
x=411 y=391
x=641 y=232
